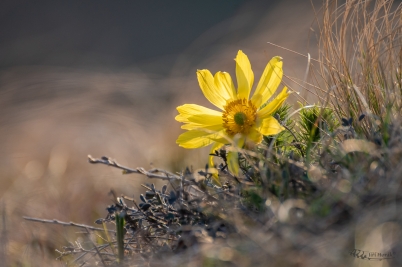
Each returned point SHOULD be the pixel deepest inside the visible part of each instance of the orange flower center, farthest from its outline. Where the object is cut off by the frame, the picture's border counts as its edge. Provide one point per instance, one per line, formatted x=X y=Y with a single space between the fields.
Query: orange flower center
x=239 y=116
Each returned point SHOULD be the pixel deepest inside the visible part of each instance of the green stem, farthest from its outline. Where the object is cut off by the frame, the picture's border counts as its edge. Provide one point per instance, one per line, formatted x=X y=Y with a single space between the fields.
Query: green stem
x=120 y=236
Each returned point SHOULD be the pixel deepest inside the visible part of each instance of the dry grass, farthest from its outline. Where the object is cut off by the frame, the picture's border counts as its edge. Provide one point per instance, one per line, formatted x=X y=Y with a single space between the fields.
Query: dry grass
x=360 y=56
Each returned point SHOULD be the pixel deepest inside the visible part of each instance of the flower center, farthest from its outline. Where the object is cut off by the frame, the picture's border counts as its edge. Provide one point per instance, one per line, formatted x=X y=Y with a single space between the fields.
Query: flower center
x=239 y=116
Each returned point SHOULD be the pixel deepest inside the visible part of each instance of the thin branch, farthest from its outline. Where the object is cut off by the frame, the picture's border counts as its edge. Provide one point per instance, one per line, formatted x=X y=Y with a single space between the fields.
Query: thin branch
x=297 y=53
x=66 y=224
x=150 y=174
x=96 y=248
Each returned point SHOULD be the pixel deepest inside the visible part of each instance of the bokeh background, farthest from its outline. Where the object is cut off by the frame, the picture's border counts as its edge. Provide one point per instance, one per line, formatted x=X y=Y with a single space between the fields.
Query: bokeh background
x=104 y=78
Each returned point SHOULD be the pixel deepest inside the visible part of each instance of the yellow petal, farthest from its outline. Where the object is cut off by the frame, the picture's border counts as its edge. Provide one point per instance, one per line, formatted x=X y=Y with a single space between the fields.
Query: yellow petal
x=214 y=94
x=209 y=128
x=198 y=114
x=215 y=146
x=233 y=163
x=222 y=137
x=244 y=75
x=257 y=100
x=194 y=139
x=216 y=179
x=224 y=82
x=198 y=138
x=215 y=176
x=270 y=126
x=233 y=157
x=217 y=132
x=255 y=136
x=270 y=79
x=272 y=106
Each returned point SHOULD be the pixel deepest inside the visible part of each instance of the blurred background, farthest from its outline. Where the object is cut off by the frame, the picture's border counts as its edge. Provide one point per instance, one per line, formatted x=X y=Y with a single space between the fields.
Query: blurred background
x=104 y=78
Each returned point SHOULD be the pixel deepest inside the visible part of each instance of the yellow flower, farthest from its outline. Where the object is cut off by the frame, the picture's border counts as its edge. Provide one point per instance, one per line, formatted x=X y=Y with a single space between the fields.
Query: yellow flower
x=241 y=118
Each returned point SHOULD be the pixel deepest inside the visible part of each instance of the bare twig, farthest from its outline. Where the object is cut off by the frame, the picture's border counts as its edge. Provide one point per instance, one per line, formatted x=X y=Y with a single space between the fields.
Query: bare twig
x=96 y=248
x=150 y=174
x=66 y=224
x=86 y=252
x=287 y=49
